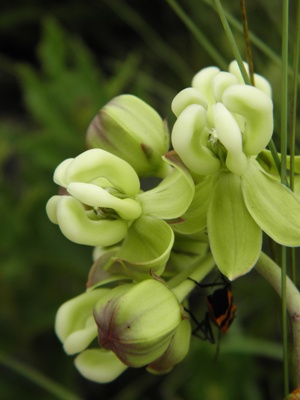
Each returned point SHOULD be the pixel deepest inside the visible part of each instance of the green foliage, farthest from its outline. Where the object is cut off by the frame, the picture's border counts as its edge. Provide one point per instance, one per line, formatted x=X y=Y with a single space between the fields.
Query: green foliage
x=39 y=268
x=62 y=89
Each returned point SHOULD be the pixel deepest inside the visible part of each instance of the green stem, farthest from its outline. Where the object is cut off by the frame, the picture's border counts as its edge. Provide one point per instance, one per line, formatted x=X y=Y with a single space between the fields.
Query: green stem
x=197 y=273
x=232 y=42
x=272 y=148
x=272 y=273
x=247 y=42
x=294 y=93
x=293 y=119
x=284 y=91
x=284 y=318
x=199 y=36
x=283 y=173
x=37 y=378
x=150 y=36
x=255 y=40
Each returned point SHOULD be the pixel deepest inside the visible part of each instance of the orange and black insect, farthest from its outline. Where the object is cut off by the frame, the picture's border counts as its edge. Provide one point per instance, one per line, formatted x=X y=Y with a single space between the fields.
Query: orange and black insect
x=221 y=308
x=220 y=311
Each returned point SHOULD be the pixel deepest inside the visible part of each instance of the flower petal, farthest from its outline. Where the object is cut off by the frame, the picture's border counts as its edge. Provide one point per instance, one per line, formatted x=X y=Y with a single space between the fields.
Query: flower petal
x=257 y=109
x=185 y=98
x=95 y=196
x=72 y=314
x=171 y=198
x=221 y=82
x=99 y=365
x=60 y=172
x=78 y=228
x=234 y=237
x=74 y=322
x=272 y=205
x=51 y=208
x=260 y=82
x=189 y=139
x=230 y=136
x=96 y=163
x=146 y=248
x=202 y=81
x=79 y=340
x=195 y=218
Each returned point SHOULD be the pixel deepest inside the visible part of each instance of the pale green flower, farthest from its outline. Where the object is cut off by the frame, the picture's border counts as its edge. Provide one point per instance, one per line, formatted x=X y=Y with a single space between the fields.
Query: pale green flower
x=102 y=188
x=74 y=322
x=224 y=122
x=221 y=128
x=104 y=206
x=76 y=328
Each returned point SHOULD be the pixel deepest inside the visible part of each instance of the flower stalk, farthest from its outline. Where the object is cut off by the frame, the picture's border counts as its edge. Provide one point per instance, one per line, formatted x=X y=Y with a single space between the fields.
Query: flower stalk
x=272 y=273
x=197 y=273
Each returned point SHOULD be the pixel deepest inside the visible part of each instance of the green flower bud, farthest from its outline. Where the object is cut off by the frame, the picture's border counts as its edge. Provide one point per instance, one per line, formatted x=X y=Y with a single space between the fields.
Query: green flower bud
x=74 y=323
x=176 y=352
x=132 y=130
x=101 y=201
x=137 y=321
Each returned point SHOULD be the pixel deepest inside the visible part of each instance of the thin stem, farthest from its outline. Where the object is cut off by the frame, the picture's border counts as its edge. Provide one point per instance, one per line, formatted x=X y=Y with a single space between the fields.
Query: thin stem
x=247 y=40
x=232 y=42
x=199 y=36
x=294 y=93
x=284 y=318
x=272 y=148
x=239 y=60
x=37 y=378
x=255 y=40
x=168 y=55
x=293 y=118
x=197 y=273
x=283 y=175
x=272 y=273
x=284 y=91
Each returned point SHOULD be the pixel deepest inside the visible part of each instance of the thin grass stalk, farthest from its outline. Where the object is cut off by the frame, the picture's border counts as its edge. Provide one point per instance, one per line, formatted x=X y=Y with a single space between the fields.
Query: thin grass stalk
x=247 y=40
x=232 y=42
x=244 y=73
x=293 y=117
x=199 y=36
x=255 y=40
x=37 y=378
x=294 y=93
x=164 y=51
x=283 y=175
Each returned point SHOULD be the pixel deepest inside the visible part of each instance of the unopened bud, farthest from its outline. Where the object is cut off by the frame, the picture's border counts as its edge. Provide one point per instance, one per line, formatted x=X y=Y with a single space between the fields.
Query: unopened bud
x=176 y=352
x=132 y=130
x=137 y=321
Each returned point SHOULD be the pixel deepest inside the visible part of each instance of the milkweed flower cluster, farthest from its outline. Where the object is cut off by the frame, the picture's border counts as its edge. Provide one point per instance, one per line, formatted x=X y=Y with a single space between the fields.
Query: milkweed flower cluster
x=217 y=191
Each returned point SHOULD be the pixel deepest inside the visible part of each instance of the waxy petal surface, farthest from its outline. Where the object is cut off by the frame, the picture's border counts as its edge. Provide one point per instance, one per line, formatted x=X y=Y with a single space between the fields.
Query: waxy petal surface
x=274 y=207
x=234 y=236
x=99 y=365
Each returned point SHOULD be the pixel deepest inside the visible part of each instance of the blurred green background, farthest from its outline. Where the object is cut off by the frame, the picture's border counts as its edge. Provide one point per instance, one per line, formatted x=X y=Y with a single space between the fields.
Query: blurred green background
x=61 y=61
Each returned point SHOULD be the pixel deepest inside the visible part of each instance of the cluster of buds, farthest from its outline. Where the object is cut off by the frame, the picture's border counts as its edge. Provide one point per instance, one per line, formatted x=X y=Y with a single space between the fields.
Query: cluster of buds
x=218 y=190
x=137 y=324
